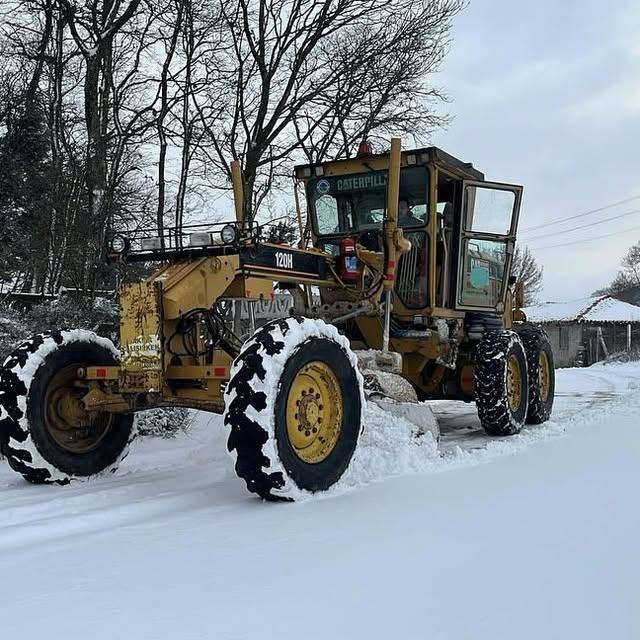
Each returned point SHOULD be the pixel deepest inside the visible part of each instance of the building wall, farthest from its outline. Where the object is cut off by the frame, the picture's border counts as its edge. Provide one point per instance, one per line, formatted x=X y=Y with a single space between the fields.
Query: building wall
x=566 y=343
x=577 y=345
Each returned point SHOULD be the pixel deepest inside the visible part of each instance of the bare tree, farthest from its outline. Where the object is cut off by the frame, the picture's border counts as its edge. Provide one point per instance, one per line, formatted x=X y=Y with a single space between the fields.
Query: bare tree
x=94 y=26
x=121 y=112
x=303 y=74
x=380 y=84
x=172 y=21
x=526 y=270
x=626 y=284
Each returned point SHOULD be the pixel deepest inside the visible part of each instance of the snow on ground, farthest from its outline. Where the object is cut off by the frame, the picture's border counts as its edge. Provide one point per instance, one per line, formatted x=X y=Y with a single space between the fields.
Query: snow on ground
x=534 y=536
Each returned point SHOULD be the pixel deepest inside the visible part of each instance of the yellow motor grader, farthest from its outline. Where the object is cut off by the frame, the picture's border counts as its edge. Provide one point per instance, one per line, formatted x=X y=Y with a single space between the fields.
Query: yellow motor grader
x=399 y=290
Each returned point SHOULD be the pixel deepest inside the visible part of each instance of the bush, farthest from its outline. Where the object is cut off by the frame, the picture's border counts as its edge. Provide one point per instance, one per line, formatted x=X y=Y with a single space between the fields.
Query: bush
x=72 y=312
x=165 y=422
x=14 y=328
x=99 y=315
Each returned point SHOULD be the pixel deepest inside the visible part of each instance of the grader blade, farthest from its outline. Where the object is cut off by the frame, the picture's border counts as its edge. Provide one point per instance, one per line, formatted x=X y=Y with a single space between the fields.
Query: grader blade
x=418 y=414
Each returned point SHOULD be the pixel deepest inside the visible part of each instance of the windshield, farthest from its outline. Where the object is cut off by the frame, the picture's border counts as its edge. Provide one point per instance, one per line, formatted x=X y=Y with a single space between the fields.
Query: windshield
x=357 y=202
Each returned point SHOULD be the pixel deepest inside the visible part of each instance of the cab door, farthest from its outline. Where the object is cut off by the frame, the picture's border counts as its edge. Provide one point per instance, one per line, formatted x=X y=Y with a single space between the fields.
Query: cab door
x=489 y=223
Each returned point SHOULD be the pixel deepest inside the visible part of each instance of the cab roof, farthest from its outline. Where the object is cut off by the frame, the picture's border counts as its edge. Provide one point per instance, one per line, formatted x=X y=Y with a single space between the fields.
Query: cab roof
x=409 y=157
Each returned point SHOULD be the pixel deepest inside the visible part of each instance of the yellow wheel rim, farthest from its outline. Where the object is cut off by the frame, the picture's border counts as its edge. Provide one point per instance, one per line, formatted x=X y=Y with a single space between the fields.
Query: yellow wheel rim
x=314 y=412
x=544 y=376
x=73 y=428
x=514 y=383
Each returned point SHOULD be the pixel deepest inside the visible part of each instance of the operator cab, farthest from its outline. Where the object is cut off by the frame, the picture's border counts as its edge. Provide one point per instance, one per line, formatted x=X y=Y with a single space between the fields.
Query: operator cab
x=461 y=228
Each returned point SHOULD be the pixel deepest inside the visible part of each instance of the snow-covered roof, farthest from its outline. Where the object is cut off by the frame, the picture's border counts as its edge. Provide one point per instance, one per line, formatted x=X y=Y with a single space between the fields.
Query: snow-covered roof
x=598 y=309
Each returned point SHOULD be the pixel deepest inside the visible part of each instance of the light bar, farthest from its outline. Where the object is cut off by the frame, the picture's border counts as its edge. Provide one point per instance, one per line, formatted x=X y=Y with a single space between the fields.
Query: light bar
x=151 y=244
x=200 y=239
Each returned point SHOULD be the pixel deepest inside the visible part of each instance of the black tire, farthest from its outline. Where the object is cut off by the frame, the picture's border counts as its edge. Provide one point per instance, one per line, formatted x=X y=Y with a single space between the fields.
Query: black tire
x=493 y=353
x=536 y=342
x=255 y=407
x=25 y=439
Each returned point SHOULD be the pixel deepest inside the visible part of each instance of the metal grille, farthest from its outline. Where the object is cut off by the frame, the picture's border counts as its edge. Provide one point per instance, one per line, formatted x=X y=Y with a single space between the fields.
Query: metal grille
x=411 y=281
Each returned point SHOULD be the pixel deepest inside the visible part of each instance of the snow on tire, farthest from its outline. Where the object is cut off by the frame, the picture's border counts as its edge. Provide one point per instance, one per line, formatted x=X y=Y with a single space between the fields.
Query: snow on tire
x=286 y=438
x=501 y=386
x=31 y=384
x=541 y=370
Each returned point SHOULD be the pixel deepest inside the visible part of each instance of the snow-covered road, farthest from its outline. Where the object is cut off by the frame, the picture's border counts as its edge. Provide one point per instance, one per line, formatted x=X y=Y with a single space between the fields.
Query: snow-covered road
x=535 y=536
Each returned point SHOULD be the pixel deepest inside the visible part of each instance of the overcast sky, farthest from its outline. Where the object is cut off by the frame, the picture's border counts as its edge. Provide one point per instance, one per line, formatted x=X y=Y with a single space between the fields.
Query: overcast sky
x=547 y=94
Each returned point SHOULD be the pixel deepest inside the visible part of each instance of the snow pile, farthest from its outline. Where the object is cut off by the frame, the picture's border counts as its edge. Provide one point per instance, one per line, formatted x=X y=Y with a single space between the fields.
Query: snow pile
x=388 y=446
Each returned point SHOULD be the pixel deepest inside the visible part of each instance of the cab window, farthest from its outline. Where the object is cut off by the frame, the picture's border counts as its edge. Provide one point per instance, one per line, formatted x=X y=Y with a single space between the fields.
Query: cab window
x=357 y=202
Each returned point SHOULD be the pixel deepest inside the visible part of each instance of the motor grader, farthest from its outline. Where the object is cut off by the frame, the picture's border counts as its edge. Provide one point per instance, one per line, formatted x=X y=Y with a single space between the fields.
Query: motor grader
x=400 y=292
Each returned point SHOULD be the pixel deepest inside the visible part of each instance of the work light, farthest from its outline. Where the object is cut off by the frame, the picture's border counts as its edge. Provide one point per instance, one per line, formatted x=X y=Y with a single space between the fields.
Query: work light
x=228 y=234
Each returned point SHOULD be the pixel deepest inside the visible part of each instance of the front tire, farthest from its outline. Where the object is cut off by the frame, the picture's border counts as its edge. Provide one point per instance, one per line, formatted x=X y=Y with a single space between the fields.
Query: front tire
x=501 y=383
x=294 y=406
x=44 y=432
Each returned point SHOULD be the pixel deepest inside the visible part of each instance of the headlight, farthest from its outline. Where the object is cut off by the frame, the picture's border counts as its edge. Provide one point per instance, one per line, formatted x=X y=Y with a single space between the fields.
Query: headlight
x=119 y=243
x=229 y=234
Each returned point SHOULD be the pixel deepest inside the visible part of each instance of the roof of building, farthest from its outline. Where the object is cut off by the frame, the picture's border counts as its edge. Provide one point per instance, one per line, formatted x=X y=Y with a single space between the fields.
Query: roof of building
x=596 y=309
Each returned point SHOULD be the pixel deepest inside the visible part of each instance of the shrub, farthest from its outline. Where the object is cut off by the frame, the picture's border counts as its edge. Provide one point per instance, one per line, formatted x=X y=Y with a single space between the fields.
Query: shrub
x=14 y=328
x=165 y=422
x=99 y=314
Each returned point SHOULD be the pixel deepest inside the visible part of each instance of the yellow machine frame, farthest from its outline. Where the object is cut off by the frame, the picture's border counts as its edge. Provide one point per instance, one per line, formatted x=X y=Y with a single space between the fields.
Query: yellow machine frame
x=150 y=375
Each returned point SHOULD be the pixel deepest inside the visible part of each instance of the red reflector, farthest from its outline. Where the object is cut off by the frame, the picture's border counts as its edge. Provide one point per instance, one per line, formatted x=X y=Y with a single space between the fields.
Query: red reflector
x=219 y=372
x=101 y=373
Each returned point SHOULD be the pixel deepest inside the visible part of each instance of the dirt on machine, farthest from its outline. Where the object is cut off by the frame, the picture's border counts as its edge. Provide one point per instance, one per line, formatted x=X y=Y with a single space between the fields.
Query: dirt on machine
x=400 y=293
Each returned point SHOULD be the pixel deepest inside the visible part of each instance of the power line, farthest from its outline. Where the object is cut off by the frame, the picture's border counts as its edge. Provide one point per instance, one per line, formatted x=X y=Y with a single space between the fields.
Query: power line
x=565 y=244
x=583 y=226
x=580 y=215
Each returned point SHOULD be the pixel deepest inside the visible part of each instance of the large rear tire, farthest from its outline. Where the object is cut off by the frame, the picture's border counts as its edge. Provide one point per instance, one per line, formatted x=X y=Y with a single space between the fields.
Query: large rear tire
x=294 y=407
x=45 y=434
x=501 y=384
x=542 y=377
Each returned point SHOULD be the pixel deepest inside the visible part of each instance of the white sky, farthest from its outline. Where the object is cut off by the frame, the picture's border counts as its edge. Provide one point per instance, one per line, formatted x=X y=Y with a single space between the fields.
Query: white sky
x=547 y=94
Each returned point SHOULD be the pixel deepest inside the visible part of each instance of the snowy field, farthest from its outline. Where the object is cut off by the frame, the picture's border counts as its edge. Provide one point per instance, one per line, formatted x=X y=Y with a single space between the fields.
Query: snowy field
x=536 y=536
